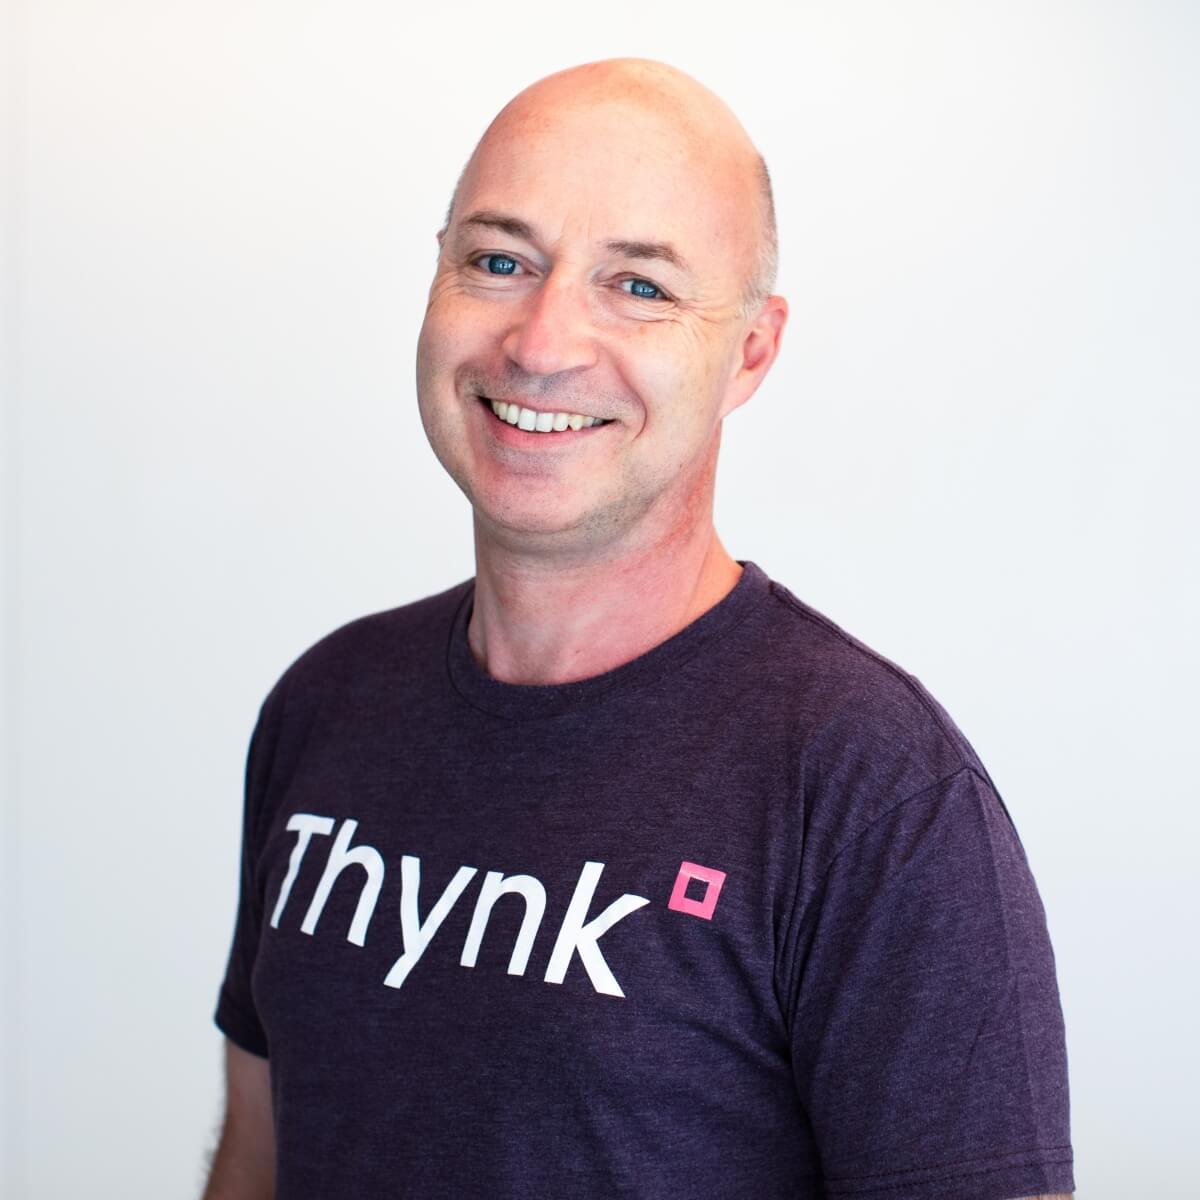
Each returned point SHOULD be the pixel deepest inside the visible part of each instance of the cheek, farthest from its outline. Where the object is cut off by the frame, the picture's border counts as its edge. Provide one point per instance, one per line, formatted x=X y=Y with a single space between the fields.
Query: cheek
x=446 y=338
x=457 y=328
x=674 y=375
x=440 y=348
x=430 y=363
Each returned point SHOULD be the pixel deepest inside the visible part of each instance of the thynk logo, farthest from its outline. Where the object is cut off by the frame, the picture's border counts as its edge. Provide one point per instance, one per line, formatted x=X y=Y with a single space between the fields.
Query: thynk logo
x=576 y=935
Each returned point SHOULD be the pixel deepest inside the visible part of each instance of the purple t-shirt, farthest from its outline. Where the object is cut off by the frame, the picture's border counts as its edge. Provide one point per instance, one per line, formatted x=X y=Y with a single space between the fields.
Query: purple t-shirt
x=744 y=917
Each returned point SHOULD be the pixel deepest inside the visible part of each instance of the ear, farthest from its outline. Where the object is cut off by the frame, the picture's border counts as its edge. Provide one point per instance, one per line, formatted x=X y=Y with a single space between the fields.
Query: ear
x=757 y=351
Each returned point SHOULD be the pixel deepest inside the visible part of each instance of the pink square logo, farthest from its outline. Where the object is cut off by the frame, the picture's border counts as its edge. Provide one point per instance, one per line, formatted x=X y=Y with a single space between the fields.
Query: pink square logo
x=697 y=908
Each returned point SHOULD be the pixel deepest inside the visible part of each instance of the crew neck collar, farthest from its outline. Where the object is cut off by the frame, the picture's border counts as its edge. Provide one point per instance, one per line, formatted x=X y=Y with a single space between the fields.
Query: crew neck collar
x=518 y=701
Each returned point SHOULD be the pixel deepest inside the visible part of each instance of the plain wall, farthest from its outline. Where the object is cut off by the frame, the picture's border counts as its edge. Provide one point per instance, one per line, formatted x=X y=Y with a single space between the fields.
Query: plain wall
x=977 y=453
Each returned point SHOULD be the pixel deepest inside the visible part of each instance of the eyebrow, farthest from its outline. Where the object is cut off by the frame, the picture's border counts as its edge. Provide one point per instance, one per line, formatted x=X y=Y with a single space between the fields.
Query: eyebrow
x=486 y=219
x=626 y=248
x=660 y=251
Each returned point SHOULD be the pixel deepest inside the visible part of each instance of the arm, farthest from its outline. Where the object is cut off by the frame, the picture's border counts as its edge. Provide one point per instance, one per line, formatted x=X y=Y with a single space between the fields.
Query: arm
x=243 y=1166
x=931 y=911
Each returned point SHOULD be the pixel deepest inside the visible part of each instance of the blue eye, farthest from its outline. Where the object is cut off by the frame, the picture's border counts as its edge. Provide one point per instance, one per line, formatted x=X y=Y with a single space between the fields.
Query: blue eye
x=643 y=289
x=500 y=264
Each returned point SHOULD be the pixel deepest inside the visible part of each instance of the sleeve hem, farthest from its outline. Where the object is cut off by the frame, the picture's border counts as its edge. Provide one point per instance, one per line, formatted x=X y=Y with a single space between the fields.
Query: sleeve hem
x=243 y=1031
x=1042 y=1171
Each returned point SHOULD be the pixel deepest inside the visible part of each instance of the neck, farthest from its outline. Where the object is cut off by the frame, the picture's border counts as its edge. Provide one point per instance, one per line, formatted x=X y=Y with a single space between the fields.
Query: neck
x=543 y=621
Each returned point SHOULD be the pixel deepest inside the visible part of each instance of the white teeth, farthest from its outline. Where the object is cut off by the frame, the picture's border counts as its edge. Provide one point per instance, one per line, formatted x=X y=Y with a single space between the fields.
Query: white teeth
x=535 y=421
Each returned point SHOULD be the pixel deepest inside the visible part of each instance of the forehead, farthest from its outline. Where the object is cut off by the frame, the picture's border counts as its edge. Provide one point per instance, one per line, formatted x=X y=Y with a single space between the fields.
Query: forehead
x=614 y=172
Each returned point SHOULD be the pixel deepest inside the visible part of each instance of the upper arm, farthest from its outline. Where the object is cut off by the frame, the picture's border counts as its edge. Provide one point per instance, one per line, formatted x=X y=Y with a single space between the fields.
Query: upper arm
x=248 y=1105
x=244 y=1165
x=924 y=969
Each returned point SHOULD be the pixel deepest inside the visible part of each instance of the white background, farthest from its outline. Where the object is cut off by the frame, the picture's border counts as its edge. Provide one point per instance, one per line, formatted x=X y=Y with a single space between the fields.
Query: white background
x=977 y=453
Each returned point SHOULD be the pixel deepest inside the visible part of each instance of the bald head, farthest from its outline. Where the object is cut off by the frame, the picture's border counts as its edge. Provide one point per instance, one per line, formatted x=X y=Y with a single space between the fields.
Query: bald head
x=608 y=259
x=671 y=115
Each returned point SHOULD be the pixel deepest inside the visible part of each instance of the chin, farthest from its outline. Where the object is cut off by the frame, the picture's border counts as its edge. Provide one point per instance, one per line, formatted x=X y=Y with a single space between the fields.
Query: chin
x=509 y=518
x=514 y=521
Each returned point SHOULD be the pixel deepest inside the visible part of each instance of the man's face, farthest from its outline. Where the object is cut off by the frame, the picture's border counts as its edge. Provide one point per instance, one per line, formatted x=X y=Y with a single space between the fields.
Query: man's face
x=593 y=269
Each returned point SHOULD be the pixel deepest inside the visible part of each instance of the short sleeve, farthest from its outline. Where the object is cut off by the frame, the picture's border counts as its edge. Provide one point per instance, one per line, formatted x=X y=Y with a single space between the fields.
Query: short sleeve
x=927 y=1032
x=235 y=1014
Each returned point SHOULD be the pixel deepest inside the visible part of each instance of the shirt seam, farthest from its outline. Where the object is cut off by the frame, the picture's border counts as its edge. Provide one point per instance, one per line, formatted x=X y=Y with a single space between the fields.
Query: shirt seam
x=800 y=906
x=958 y=1162
x=808 y=614
x=1041 y=1158
x=625 y=687
x=246 y=1028
x=922 y=793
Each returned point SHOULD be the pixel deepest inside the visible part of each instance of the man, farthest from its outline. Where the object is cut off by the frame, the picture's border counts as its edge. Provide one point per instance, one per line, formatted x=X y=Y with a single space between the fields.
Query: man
x=618 y=870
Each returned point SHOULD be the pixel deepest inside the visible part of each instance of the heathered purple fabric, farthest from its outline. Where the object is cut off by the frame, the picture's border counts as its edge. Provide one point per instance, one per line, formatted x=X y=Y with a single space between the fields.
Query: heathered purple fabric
x=869 y=1009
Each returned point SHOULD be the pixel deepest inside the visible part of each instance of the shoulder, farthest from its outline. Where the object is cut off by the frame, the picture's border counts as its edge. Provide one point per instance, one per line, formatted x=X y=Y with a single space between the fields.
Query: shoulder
x=843 y=689
x=357 y=657
x=868 y=734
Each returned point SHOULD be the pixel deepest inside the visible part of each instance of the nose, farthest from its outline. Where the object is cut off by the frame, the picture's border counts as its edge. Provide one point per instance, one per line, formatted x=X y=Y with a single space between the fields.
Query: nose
x=553 y=330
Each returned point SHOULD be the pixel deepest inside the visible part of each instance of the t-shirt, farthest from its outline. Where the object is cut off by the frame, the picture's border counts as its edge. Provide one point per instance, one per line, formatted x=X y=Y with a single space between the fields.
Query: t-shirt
x=744 y=917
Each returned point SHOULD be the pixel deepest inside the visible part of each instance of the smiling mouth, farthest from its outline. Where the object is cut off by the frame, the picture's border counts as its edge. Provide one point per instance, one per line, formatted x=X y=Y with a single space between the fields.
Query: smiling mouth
x=533 y=421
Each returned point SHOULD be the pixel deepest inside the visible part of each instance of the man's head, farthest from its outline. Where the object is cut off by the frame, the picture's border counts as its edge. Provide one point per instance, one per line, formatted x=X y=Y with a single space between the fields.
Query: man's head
x=610 y=253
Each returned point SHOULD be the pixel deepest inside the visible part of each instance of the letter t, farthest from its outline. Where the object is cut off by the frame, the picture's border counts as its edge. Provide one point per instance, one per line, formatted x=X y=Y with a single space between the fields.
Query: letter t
x=305 y=824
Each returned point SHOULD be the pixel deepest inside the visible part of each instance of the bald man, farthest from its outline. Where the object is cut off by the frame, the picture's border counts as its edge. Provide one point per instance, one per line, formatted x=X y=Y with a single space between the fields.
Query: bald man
x=618 y=870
